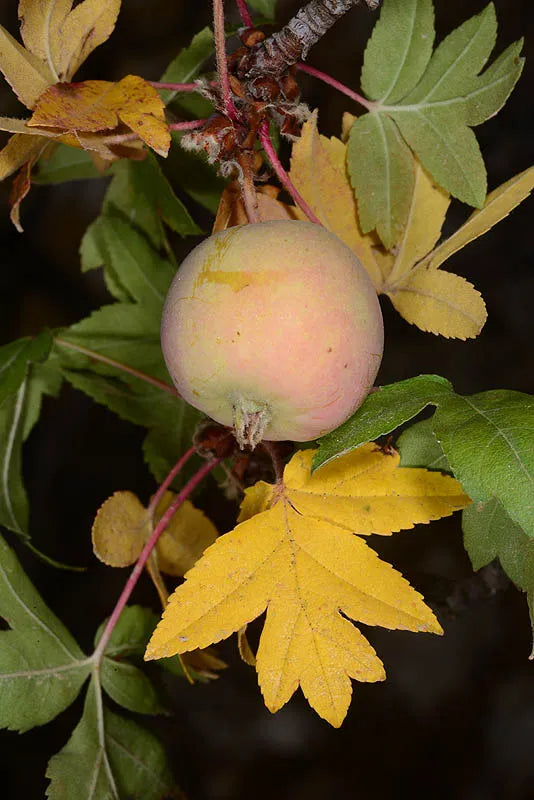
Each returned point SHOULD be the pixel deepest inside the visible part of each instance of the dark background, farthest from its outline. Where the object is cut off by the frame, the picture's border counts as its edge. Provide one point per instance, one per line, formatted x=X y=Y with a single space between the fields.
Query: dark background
x=455 y=718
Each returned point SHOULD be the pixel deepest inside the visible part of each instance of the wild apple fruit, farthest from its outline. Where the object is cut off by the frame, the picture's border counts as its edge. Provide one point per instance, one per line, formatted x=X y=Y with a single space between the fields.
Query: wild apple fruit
x=273 y=328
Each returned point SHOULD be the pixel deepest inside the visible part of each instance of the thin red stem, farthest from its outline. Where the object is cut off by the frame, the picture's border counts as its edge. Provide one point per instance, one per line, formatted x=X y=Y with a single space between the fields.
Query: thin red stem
x=244 y=13
x=169 y=479
x=190 y=125
x=145 y=554
x=282 y=175
x=222 y=64
x=175 y=87
x=323 y=76
x=166 y=387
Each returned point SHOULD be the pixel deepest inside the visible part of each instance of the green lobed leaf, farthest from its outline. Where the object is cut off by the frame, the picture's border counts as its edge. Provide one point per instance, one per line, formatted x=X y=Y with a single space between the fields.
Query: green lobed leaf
x=459 y=57
x=15 y=357
x=382 y=411
x=136 y=267
x=418 y=447
x=149 y=182
x=433 y=103
x=487 y=439
x=14 y=510
x=131 y=633
x=486 y=94
x=267 y=8
x=448 y=149
x=129 y=687
x=490 y=533
x=65 y=164
x=42 y=669
x=405 y=31
x=126 y=332
x=188 y=63
x=109 y=757
x=381 y=170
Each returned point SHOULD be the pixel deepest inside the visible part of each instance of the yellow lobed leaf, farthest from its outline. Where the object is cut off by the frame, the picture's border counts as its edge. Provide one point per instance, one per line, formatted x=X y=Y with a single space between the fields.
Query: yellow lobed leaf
x=120 y=529
x=257 y=498
x=441 y=303
x=231 y=211
x=318 y=171
x=27 y=75
x=300 y=561
x=101 y=106
x=64 y=37
x=498 y=205
x=366 y=491
x=423 y=227
x=186 y=537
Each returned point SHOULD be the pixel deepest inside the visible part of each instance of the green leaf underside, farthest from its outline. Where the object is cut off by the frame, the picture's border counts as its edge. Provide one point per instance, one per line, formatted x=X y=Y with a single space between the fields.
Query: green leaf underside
x=490 y=533
x=448 y=149
x=42 y=669
x=382 y=412
x=418 y=447
x=405 y=31
x=381 y=170
x=109 y=757
x=433 y=99
x=488 y=440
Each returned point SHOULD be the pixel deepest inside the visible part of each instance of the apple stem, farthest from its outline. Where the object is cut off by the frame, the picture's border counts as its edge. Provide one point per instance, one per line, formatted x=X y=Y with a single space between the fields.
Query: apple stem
x=145 y=554
x=282 y=175
x=323 y=76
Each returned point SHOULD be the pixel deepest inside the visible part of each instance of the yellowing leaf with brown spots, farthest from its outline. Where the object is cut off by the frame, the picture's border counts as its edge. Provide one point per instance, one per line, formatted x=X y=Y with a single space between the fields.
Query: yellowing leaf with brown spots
x=300 y=558
x=318 y=171
x=132 y=104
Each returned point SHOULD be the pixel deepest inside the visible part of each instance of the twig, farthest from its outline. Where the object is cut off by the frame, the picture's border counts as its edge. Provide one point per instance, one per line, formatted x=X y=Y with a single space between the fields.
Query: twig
x=282 y=175
x=176 y=87
x=190 y=125
x=278 y=467
x=244 y=13
x=166 y=387
x=222 y=64
x=274 y=55
x=169 y=479
x=145 y=553
x=323 y=76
